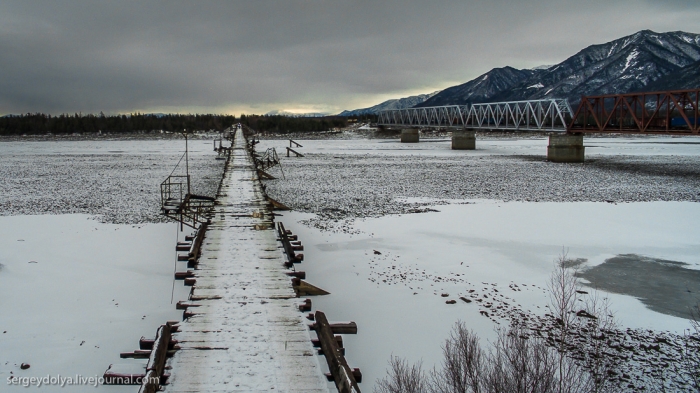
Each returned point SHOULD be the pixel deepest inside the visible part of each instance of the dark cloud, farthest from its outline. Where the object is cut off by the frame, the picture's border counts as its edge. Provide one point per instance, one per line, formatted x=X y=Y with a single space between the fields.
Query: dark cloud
x=232 y=56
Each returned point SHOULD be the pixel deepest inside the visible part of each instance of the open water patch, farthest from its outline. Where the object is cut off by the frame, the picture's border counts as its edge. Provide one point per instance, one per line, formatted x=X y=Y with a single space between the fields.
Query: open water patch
x=664 y=286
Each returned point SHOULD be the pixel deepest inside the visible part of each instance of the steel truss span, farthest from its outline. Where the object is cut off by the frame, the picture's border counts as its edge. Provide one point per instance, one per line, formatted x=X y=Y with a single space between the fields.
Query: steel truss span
x=664 y=112
x=536 y=115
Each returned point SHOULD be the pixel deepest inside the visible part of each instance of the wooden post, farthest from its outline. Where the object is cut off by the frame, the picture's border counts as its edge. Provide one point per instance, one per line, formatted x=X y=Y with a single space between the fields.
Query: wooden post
x=156 y=362
x=342 y=374
x=197 y=245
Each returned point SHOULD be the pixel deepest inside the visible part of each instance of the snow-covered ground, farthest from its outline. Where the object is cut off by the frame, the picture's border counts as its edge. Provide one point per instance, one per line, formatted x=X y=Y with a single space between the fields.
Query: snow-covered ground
x=78 y=289
x=65 y=279
x=396 y=296
x=393 y=273
x=76 y=292
x=119 y=180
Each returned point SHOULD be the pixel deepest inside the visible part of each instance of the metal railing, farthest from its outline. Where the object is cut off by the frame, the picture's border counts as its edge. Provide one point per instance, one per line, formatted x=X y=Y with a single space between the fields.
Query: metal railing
x=534 y=115
x=178 y=203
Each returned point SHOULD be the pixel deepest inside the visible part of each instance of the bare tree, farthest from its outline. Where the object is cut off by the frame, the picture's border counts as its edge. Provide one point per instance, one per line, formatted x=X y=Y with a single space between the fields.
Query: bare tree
x=597 y=321
x=522 y=363
x=691 y=359
x=519 y=361
x=563 y=294
x=402 y=378
x=463 y=363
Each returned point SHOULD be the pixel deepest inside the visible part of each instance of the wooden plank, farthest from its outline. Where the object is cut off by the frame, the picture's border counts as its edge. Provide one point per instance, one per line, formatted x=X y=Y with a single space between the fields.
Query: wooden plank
x=244 y=331
x=156 y=362
x=338 y=366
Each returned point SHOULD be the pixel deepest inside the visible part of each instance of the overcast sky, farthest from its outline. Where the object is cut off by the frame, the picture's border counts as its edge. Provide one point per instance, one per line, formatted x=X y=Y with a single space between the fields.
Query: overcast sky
x=298 y=55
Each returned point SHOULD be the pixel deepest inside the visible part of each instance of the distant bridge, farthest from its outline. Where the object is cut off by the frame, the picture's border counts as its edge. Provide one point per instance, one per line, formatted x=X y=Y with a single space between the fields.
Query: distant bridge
x=534 y=115
x=662 y=112
x=674 y=112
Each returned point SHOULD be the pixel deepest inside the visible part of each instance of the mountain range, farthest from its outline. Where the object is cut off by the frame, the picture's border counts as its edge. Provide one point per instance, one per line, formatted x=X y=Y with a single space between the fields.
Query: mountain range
x=291 y=114
x=644 y=61
x=400 y=103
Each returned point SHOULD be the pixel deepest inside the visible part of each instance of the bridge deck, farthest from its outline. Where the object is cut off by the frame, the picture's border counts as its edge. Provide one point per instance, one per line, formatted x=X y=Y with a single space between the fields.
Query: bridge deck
x=253 y=338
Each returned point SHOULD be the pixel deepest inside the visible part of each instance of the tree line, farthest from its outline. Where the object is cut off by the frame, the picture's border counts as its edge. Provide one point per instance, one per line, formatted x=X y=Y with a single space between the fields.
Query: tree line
x=40 y=123
x=284 y=124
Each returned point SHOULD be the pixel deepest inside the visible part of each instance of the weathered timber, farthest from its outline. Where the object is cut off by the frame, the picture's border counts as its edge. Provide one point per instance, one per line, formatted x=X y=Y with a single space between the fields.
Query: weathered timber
x=292 y=256
x=305 y=306
x=264 y=175
x=355 y=372
x=247 y=334
x=147 y=343
x=290 y=150
x=184 y=305
x=184 y=275
x=338 y=366
x=156 y=362
x=137 y=354
x=320 y=351
x=339 y=327
x=303 y=288
x=317 y=343
x=197 y=245
x=298 y=274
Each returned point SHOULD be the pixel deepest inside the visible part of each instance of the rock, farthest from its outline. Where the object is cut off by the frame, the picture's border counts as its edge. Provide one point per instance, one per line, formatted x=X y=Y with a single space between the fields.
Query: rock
x=585 y=314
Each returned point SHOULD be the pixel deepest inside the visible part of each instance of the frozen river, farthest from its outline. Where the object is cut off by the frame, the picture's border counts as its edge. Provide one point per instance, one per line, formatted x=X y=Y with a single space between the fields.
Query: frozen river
x=77 y=291
x=390 y=273
x=396 y=297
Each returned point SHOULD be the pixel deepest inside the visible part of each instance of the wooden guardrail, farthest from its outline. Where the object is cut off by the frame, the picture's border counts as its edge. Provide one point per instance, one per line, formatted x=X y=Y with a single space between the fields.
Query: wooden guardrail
x=156 y=351
x=343 y=376
x=156 y=362
x=286 y=238
x=196 y=249
x=290 y=150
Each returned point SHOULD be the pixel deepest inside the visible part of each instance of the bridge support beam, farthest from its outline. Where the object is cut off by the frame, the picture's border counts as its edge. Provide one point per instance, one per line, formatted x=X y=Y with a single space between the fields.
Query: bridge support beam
x=565 y=148
x=463 y=140
x=410 y=135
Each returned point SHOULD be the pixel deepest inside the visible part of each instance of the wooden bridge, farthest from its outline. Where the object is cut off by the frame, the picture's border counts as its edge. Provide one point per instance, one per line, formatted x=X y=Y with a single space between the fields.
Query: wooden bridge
x=243 y=330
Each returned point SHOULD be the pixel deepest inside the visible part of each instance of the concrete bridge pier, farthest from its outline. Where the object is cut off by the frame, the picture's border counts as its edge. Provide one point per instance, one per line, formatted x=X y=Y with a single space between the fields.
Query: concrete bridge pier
x=463 y=139
x=565 y=148
x=410 y=135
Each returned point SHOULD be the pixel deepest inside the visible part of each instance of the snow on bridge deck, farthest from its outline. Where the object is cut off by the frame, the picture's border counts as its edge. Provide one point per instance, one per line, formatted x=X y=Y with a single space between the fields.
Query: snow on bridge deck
x=247 y=335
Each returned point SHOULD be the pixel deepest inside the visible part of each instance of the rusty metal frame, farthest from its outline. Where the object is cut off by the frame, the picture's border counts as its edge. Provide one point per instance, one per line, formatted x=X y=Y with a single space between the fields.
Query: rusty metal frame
x=268 y=160
x=661 y=112
x=176 y=203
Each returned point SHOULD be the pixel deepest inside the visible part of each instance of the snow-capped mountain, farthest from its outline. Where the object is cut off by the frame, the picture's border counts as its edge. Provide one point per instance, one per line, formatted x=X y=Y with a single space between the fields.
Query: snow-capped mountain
x=397 y=103
x=685 y=78
x=291 y=114
x=480 y=89
x=632 y=63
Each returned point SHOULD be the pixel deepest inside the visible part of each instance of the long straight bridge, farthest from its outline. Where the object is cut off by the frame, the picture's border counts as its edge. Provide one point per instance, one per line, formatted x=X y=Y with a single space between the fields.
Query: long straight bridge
x=536 y=115
x=665 y=113
x=243 y=330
